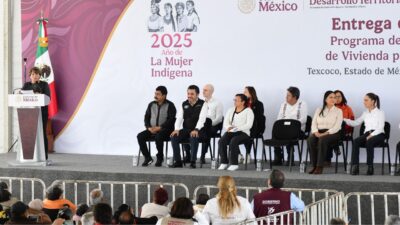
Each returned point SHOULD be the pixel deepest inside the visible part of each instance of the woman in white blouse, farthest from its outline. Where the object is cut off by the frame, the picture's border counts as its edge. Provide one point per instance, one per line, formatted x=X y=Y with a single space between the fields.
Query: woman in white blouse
x=325 y=128
x=374 y=134
x=227 y=207
x=237 y=123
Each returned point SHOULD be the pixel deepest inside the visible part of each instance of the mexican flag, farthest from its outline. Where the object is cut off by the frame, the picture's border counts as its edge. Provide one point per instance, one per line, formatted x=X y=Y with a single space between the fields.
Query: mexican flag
x=43 y=62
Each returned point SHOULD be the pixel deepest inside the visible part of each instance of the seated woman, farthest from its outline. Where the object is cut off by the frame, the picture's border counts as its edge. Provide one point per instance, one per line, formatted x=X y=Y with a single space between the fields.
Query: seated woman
x=374 y=133
x=227 y=207
x=158 y=207
x=182 y=213
x=238 y=122
x=259 y=119
x=341 y=103
x=55 y=201
x=326 y=124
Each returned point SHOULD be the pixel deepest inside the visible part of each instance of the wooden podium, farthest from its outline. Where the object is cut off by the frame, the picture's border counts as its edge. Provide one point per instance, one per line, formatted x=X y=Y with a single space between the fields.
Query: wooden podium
x=32 y=150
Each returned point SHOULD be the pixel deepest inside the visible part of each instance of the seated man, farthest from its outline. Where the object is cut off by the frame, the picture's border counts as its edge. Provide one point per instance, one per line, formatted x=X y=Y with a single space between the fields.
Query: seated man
x=187 y=127
x=294 y=109
x=274 y=200
x=214 y=114
x=159 y=122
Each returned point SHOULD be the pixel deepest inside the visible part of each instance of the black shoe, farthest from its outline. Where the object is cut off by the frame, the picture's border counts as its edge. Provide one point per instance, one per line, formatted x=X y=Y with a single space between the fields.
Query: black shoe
x=159 y=162
x=370 y=170
x=193 y=165
x=147 y=161
x=355 y=170
x=176 y=165
x=277 y=162
x=202 y=160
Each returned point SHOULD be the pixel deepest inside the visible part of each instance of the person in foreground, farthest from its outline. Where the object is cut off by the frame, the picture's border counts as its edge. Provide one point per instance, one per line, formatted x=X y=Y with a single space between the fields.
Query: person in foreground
x=182 y=213
x=227 y=207
x=374 y=133
x=274 y=200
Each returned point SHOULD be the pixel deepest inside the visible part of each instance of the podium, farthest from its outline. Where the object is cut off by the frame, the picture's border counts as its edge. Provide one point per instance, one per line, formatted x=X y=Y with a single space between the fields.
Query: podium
x=32 y=150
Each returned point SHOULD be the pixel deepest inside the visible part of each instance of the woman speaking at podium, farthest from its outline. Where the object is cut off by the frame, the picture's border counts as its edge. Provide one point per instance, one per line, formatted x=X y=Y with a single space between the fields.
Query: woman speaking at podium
x=39 y=87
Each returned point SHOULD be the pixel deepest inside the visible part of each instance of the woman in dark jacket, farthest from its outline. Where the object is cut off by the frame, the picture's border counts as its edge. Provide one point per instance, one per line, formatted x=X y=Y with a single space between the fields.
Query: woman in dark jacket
x=259 y=118
x=39 y=87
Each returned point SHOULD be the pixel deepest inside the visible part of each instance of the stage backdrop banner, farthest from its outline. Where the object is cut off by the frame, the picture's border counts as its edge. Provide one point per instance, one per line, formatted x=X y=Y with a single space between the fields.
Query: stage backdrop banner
x=109 y=56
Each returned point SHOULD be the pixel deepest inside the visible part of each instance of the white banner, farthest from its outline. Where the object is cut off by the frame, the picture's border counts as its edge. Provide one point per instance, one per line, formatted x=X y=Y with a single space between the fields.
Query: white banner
x=316 y=45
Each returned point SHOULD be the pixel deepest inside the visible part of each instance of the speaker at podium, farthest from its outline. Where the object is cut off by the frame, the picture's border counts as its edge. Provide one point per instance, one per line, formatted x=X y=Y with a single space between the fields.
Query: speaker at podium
x=32 y=148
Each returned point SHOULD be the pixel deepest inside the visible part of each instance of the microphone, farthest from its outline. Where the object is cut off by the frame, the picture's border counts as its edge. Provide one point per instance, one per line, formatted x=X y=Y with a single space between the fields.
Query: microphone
x=25 y=59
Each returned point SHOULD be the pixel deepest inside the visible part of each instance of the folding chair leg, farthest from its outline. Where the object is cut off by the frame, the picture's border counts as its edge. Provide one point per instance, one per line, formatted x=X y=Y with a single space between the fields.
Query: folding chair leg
x=306 y=163
x=291 y=157
x=138 y=158
x=166 y=151
x=270 y=158
x=344 y=158
x=245 y=161
x=211 y=151
x=336 y=164
x=255 y=152
x=390 y=163
x=214 y=147
x=383 y=160
x=300 y=153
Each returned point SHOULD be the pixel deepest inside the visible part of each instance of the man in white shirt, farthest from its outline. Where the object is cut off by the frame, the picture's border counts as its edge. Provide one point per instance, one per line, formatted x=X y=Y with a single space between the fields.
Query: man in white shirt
x=294 y=109
x=210 y=117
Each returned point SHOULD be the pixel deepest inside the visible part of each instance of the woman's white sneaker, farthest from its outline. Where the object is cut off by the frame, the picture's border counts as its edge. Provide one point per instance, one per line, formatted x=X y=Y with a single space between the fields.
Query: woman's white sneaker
x=223 y=167
x=233 y=167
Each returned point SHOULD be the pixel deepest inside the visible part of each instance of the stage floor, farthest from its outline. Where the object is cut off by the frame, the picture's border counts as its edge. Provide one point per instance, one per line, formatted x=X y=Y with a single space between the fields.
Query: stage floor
x=119 y=168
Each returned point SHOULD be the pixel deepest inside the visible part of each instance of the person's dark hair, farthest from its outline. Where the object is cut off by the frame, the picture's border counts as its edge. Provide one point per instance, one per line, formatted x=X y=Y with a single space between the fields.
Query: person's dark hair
x=195 y=88
x=337 y=221
x=253 y=93
x=122 y=208
x=243 y=98
x=182 y=208
x=327 y=93
x=35 y=70
x=82 y=209
x=54 y=193
x=160 y=196
x=202 y=199
x=126 y=217
x=102 y=213
x=294 y=91
x=162 y=89
x=65 y=213
x=344 y=99
x=277 y=179
x=5 y=195
x=17 y=211
x=374 y=98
